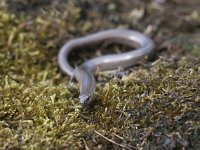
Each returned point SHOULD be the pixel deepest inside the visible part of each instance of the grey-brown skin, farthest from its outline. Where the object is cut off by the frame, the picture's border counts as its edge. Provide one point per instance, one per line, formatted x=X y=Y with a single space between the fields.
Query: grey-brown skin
x=84 y=73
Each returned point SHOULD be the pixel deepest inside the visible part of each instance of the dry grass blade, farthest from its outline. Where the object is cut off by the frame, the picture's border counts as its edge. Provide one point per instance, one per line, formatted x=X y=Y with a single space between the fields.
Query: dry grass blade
x=110 y=140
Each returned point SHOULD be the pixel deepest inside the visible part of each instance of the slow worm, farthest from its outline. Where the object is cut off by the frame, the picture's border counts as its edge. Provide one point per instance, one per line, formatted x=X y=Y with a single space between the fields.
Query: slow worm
x=84 y=73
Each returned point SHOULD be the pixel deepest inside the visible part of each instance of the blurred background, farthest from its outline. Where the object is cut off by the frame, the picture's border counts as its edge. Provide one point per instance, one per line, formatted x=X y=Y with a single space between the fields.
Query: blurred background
x=161 y=19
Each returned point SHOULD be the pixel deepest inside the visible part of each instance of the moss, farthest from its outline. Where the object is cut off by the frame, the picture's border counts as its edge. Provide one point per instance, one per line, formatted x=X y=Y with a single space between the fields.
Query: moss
x=155 y=106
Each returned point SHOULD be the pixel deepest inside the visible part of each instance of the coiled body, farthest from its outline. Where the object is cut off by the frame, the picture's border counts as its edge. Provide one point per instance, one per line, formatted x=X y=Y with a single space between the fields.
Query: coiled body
x=85 y=72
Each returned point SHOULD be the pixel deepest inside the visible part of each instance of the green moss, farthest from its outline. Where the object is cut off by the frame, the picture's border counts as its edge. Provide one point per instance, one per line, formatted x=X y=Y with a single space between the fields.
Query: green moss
x=155 y=106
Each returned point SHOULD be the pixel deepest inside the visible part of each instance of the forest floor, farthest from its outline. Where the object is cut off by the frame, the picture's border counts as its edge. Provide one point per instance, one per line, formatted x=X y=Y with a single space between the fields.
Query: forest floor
x=153 y=105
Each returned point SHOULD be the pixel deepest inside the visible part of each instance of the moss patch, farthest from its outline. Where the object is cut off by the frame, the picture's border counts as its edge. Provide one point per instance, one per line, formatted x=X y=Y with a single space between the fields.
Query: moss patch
x=156 y=106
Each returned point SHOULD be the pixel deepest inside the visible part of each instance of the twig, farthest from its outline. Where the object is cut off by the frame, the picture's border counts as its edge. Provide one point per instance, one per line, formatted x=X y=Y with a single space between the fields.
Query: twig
x=118 y=136
x=121 y=145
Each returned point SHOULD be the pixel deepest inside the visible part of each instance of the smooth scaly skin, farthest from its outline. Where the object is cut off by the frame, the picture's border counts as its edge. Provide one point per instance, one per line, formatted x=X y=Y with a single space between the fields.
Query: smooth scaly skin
x=85 y=72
